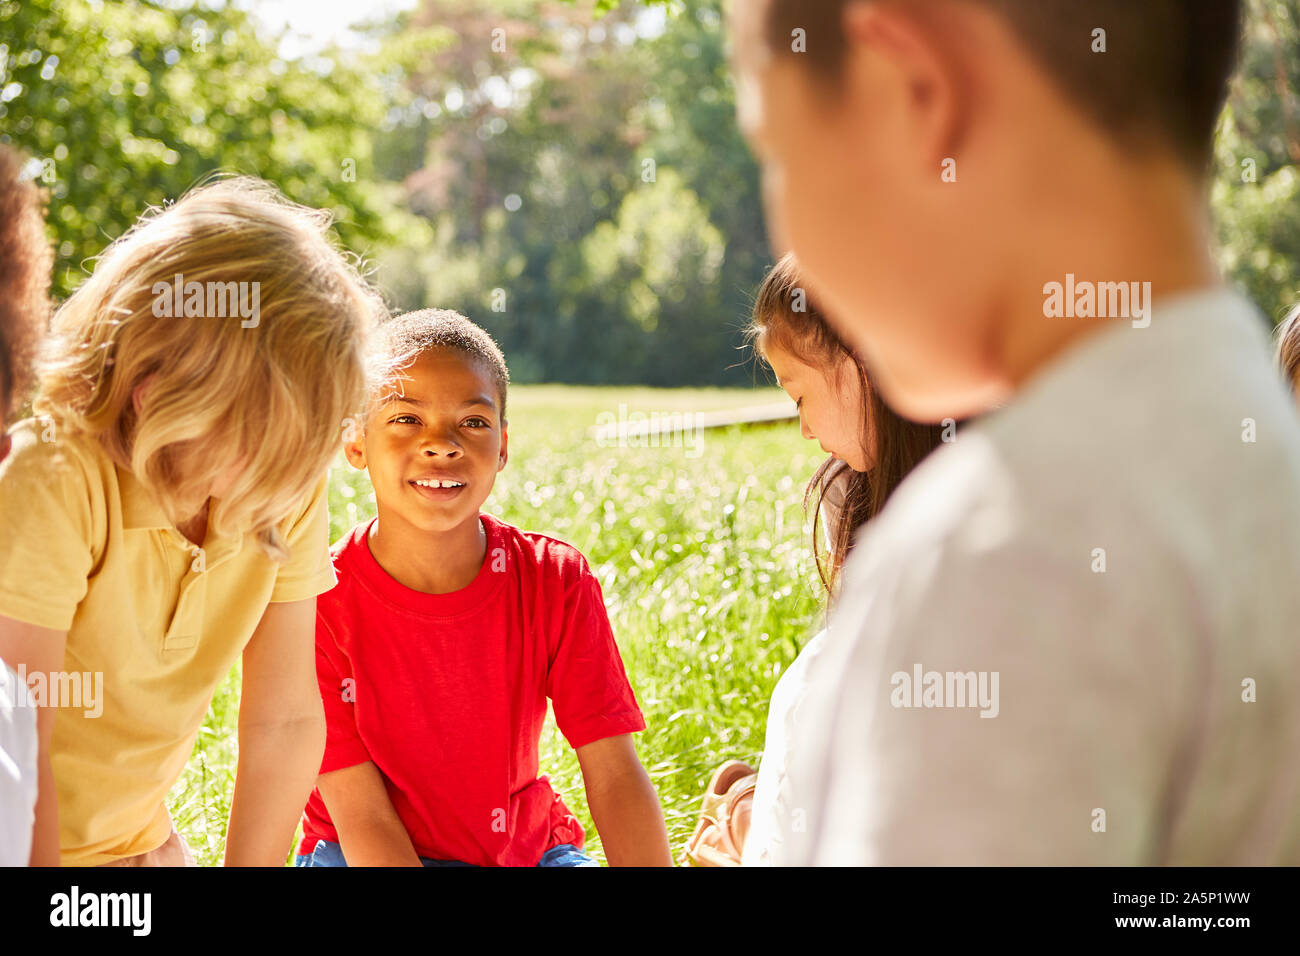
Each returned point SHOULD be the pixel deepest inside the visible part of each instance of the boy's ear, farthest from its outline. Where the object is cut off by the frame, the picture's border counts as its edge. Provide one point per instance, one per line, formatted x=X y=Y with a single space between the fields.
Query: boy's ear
x=354 y=443
x=505 y=437
x=912 y=63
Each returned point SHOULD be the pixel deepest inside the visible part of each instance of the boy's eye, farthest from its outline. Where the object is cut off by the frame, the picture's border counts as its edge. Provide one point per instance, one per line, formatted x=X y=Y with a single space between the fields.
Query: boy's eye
x=404 y=420
x=476 y=423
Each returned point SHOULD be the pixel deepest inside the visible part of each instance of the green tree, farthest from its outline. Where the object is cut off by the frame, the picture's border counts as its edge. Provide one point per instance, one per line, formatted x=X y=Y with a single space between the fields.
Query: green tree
x=525 y=155
x=657 y=262
x=697 y=135
x=1256 y=194
x=127 y=104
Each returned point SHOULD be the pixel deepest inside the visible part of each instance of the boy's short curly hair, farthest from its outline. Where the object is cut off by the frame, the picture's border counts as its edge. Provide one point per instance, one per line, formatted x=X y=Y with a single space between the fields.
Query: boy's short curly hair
x=1288 y=349
x=408 y=336
x=26 y=261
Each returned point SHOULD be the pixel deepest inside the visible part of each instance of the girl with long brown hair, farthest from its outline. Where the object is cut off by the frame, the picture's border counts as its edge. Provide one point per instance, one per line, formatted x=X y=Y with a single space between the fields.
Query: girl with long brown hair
x=871 y=450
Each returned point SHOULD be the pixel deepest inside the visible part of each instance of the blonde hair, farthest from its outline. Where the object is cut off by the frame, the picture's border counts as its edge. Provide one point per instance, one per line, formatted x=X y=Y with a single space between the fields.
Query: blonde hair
x=268 y=396
x=1288 y=349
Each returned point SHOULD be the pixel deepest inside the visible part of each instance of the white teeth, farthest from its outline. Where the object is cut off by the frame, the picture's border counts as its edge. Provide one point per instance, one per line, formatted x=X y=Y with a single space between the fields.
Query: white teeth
x=435 y=483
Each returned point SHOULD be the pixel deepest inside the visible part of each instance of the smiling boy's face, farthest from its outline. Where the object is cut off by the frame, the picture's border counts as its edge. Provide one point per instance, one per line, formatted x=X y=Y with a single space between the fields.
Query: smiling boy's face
x=434 y=449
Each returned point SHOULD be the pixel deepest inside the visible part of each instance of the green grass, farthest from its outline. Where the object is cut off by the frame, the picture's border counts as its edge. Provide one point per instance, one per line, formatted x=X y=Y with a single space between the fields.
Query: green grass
x=703 y=554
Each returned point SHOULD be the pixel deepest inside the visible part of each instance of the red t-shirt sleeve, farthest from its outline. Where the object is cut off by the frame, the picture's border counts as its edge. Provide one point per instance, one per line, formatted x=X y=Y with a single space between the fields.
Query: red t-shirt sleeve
x=338 y=691
x=586 y=682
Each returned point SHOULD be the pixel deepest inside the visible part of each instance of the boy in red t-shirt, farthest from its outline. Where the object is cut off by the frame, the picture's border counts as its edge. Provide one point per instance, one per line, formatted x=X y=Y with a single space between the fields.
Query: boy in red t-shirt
x=445 y=636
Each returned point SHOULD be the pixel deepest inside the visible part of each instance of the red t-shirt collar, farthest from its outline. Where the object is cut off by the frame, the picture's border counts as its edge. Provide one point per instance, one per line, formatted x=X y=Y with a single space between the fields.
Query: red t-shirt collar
x=469 y=599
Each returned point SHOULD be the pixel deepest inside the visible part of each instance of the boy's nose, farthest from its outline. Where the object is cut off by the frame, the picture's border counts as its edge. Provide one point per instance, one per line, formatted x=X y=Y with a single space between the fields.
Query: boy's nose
x=442 y=449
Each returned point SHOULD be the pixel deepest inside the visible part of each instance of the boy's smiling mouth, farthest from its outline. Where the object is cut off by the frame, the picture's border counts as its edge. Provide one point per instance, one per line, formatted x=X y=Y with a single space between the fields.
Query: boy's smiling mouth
x=438 y=483
x=438 y=488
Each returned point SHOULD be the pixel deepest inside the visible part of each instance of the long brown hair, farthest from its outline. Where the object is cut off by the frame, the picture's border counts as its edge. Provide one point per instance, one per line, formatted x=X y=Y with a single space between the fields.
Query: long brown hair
x=25 y=263
x=1288 y=349
x=785 y=316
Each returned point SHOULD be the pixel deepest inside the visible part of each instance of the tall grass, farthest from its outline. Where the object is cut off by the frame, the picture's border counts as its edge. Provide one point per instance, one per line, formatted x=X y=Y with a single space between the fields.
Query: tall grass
x=703 y=555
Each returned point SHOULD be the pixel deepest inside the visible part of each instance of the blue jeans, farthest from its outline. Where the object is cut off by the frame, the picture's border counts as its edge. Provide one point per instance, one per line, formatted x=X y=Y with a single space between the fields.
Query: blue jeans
x=331 y=854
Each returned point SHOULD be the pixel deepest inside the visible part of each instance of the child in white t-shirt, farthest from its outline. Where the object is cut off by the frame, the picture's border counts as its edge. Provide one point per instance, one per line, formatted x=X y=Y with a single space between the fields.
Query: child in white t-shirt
x=871 y=449
x=17 y=769
x=1071 y=636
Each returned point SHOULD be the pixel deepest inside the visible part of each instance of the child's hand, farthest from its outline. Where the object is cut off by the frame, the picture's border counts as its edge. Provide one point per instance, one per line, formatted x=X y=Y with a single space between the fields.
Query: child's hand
x=370 y=831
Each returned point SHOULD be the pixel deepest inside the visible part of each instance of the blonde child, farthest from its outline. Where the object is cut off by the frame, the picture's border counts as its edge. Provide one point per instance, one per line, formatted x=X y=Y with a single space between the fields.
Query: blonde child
x=165 y=513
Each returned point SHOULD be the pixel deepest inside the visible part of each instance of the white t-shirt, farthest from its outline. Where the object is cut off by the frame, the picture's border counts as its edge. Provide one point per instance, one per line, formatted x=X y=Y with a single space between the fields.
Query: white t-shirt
x=771 y=812
x=18 y=746
x=1120 y=546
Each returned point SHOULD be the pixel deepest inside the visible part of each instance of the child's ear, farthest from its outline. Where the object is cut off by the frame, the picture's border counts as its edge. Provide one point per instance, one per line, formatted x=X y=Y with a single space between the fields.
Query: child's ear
x=917 y=65
x=140 y=391
x=505 y=436
x=844 y=374
x=354 y=443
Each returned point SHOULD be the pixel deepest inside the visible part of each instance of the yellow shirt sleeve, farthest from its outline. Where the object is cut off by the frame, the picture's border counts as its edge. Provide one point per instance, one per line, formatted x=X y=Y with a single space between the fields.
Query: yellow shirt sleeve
x=309 y=570
x=53 y=526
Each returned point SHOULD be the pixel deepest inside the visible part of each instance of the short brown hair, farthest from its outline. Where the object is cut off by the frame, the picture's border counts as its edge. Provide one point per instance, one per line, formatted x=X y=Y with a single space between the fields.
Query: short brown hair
x=1164 y=74
x=25 y=263
x=408 y=336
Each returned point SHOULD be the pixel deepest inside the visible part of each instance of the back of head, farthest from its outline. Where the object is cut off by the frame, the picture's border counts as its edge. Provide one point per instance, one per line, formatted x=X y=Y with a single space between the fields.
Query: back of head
x=245 y=331
x=406 y=337
x=938 y=161
x=25 y=263
x=1155 y=76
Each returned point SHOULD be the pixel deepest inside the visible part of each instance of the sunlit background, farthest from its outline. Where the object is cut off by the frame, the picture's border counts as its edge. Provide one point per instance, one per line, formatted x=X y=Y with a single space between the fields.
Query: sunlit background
x=575 y=183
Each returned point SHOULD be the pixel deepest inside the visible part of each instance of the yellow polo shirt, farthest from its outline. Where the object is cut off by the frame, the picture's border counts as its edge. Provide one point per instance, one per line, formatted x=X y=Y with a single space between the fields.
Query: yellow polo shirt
x=85 y=548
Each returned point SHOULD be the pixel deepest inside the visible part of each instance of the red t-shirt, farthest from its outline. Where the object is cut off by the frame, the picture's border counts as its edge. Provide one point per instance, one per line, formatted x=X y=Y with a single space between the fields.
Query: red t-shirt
x=446 y=693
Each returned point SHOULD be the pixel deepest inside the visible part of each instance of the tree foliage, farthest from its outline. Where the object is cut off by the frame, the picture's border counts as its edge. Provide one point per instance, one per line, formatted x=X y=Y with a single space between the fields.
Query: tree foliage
x=569 y=174
x=594 y=205
x=1256 y=194
x=128 y=104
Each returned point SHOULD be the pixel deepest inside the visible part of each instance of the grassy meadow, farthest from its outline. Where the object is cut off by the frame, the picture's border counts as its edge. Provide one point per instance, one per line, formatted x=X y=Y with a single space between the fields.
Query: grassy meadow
x=702 y=551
